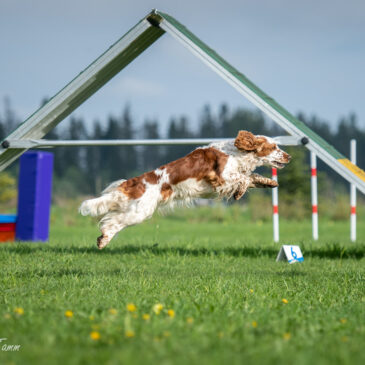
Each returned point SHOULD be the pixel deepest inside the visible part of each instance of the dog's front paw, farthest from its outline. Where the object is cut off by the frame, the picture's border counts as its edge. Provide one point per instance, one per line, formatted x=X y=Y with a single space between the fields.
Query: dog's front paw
x=238 y=194
x=268 y=184
x=258 y=181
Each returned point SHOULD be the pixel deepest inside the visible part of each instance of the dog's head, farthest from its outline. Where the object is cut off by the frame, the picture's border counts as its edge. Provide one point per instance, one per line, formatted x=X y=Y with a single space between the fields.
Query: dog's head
x=264 y=148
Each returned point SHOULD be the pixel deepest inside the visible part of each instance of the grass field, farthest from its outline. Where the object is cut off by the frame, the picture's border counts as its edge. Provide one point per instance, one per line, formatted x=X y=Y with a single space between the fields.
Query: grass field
x=202 y=287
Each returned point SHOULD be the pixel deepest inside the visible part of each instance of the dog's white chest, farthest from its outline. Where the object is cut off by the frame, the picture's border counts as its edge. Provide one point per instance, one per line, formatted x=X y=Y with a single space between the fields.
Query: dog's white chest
x=235 y=169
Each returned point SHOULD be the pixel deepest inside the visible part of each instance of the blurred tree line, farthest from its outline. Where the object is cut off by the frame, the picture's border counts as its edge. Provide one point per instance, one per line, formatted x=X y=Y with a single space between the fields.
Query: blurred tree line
x=87 y=170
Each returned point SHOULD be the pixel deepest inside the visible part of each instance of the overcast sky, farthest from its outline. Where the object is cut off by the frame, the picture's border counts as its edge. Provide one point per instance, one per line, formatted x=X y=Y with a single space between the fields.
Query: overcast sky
x=308 y=55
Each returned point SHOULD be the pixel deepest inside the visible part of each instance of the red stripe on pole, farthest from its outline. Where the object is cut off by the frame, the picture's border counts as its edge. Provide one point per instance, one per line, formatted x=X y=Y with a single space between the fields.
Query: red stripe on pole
x=314 y=172
x=314 y=209
x=353 y=210
x=274 y=172
x=275 y=209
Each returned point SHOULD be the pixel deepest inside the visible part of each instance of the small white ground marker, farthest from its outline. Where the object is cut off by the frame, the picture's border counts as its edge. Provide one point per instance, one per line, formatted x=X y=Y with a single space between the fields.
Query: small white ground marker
x=289 y=253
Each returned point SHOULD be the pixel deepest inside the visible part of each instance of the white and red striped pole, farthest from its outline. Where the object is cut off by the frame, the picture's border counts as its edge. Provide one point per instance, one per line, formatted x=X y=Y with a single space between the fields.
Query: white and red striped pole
x=314 y=194
x=275 y=207
x=353 y=193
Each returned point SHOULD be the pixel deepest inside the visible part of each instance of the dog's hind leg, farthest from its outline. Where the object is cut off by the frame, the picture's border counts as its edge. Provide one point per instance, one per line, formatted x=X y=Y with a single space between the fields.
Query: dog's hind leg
x=115 y=221
x=110 y=225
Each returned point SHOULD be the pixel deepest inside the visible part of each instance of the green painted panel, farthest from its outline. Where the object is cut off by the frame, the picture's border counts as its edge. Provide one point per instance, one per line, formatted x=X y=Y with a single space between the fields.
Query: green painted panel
x=243 y=79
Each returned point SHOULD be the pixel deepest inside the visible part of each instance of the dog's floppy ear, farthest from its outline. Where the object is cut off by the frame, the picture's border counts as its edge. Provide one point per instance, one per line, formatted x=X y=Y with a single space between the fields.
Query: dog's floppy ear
x=260 y=143
x=263 y=147
x=245 y=141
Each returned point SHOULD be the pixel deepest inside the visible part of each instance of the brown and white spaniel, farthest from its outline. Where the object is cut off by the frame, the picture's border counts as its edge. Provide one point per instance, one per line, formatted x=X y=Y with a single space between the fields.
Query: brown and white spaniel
x=220 y=170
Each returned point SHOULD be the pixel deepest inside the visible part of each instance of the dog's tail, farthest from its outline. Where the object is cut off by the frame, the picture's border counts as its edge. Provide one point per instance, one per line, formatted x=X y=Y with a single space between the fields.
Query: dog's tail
x=109 y=200
x=96 y=207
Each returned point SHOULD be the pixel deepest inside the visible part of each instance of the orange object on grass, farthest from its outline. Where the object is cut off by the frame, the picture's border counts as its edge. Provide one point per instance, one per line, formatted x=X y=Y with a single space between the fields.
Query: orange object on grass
x=7 y=236
x=7 y=231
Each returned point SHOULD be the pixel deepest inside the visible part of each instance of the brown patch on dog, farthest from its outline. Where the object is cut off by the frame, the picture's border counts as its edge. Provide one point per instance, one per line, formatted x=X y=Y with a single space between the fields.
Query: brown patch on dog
x=151 y=177
x=203 y=163
x=166 y=191
x=135 y=187
x=246 y=141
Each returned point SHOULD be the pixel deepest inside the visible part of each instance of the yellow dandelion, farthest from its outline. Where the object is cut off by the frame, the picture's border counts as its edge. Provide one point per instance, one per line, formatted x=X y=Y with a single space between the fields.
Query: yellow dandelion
x=254 y=324
x=220 y=334
x=157 y=308
x=344 y=339
x=189 y=320
x=146 y=317
x=285 y=301
x=69 y=314
x=131 y=307
x=171 y=313
x=167 y=334
x=343 y=320
x=251 y=291
x=286 y=336
x=113 y=311
x=91 y=318
x=94 y=335
x=19 y=311
x=129 y=334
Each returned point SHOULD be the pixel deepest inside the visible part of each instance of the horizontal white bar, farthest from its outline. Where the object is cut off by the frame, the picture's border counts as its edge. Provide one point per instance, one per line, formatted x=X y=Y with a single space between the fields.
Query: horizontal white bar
x=35 y=143
x=288 y=140
x=39 y=143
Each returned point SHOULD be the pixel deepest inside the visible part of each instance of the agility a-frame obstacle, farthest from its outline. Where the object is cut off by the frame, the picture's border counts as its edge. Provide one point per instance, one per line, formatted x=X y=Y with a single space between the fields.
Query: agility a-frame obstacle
x=124 y=51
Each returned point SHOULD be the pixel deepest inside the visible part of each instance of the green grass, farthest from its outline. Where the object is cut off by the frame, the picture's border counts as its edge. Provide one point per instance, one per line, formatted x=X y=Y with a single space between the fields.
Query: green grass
x=212 y=266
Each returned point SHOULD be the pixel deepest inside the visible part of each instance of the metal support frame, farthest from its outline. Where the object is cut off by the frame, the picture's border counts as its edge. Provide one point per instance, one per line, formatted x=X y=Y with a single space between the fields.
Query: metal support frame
x=124 y=51
x=265 y=103
x=99 y=72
